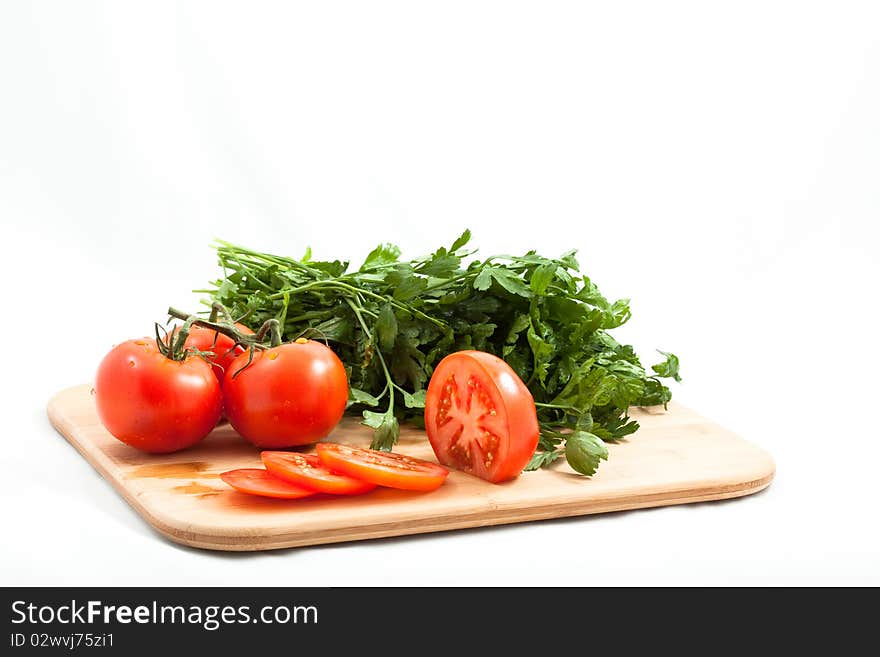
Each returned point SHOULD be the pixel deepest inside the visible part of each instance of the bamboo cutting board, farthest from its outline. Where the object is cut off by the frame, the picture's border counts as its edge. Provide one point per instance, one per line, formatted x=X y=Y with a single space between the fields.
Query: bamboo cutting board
x=676 y=457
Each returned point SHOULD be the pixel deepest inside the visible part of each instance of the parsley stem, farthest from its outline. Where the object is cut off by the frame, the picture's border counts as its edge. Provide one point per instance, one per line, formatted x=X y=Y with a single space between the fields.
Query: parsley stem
x=331 y=283
x=389 y=382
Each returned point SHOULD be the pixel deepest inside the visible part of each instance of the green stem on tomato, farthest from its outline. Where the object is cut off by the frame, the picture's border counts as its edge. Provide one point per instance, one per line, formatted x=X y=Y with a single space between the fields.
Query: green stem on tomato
x=270 y=327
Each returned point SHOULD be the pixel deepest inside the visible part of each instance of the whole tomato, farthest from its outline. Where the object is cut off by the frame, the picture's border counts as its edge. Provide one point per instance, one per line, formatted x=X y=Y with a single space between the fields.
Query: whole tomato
x=154 y=403
x=292 y=394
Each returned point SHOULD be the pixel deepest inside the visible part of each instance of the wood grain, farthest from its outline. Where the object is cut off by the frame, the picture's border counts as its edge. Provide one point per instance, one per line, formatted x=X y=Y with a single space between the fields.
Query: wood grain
x=676 y=457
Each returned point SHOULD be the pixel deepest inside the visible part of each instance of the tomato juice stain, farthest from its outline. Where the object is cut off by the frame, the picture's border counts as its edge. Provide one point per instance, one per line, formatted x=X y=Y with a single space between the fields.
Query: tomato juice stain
x=187 y=470
x=195 y=488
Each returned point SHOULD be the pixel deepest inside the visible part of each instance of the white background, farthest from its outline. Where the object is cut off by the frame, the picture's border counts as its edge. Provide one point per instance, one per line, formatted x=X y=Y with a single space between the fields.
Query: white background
x=716 y=162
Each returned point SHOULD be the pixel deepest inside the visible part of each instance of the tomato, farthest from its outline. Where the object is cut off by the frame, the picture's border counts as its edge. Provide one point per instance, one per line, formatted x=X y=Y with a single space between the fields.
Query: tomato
x=382 y=468
x=480 y=417
x=153 y=403
x=292 y=394
x=223 y=347
x=255 y=481
x=306 y=470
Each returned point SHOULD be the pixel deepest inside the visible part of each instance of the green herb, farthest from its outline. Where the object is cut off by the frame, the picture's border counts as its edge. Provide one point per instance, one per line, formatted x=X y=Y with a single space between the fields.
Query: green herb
x=391 y=321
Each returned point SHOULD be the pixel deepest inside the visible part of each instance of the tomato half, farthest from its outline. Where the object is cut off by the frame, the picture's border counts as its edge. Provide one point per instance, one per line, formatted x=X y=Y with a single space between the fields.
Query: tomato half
x=480 y=417
x=306 y=470
x=154 y=403
x=382 y=468
x=293 y=394
x=222 y=346
x=255 y=481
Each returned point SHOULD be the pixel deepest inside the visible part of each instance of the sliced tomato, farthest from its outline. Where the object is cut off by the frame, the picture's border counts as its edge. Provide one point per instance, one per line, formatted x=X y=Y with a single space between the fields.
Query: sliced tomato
x=382 y=468
x=255 y=481
x=480 y=417
x=306 y=470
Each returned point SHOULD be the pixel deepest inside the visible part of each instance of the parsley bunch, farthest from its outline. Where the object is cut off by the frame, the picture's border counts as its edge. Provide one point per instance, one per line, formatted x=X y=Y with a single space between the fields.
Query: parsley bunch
x=392 y=320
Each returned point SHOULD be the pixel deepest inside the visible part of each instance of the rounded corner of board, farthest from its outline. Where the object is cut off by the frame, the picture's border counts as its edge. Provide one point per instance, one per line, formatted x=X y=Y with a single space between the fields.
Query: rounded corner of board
x=762 y=470
x=60 y=400
x=760 y=480
x=769 y=469
x=181 y=530
x=55 y=415
x=52 y=406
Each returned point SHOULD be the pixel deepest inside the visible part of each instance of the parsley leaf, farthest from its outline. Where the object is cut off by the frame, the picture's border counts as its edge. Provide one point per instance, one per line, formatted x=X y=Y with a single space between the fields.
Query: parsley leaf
x=386 y=327
x=381 y=255
x=669 y=367
x=583 y=451
x=386 y=428
x=416 y=400
x=462 y=239
x=356 y=396
x=542 y=460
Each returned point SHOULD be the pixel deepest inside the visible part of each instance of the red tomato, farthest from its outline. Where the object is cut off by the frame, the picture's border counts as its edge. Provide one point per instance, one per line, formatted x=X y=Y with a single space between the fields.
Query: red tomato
x=382 y=468
x=255 y=481
x=293 y=394
x=154 y=403
x=480 y=417
x=306 y=470
x=223 y=347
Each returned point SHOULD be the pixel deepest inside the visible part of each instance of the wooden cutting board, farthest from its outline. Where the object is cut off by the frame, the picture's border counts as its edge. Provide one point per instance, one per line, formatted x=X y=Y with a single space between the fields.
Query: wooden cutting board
x=676 y=457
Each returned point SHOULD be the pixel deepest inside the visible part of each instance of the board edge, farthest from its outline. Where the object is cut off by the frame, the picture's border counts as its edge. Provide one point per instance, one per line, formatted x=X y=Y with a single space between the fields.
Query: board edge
x=490 y=518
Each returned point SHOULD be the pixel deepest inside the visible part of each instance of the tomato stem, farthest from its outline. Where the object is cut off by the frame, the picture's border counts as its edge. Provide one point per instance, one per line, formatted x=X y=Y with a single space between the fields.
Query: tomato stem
x=219 y=310
x=273 y=328
x=224 y=326
x=220 y=321
x=171 y=345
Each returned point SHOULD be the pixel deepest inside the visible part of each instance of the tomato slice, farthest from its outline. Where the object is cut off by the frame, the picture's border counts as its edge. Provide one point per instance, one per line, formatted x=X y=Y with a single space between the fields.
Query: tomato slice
x=255 y=481
x=306 y=470
x=382 y=468
x=480 y=417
